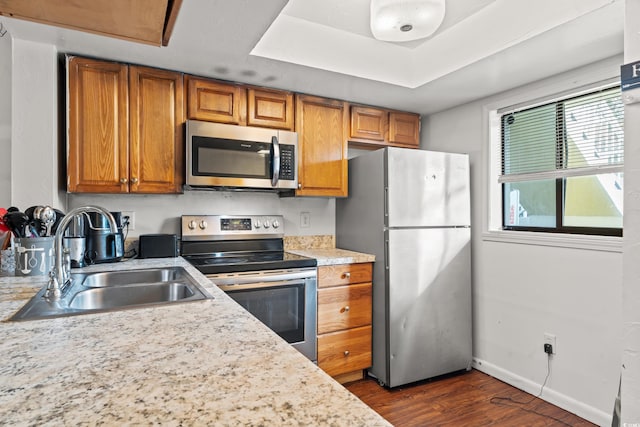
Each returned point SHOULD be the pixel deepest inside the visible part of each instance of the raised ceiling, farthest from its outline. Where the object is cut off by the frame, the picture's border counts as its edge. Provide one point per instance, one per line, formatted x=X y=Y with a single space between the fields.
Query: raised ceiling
x=324 y=47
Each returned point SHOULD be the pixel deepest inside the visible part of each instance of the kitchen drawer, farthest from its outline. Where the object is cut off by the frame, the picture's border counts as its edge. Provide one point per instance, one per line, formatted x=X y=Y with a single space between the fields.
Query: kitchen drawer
x=345 y=351
x=343 y=274
x=344 y=307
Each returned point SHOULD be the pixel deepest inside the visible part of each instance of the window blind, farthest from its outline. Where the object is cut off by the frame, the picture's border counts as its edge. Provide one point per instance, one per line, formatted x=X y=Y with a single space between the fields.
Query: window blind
x=577 y=136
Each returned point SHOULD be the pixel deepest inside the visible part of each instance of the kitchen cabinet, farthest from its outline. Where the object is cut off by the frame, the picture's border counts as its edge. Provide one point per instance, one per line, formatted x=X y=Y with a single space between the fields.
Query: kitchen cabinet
x=125 y=128
x=404 y=129
x=236 y=104
x=370 y=126
x=141 y=21
x=215 y=101
x=270 y=108
x=344 y=320
x=322 y=126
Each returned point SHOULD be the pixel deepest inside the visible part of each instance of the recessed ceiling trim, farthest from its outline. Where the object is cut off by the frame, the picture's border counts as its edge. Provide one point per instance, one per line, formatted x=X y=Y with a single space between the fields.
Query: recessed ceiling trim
x=494 y=28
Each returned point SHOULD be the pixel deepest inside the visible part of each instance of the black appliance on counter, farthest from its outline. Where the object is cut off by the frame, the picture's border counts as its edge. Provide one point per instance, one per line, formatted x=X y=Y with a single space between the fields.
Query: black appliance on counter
x=102 y=246
x=245 y=257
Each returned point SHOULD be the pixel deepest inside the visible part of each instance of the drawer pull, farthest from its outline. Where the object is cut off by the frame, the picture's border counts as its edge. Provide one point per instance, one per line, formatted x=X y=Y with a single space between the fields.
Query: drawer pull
x=346 y=275
x=346 y=308
x=346 y=353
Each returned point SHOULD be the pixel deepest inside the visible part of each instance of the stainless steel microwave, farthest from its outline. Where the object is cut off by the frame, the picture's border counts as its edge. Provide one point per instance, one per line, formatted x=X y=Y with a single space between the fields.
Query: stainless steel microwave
x=220 y=155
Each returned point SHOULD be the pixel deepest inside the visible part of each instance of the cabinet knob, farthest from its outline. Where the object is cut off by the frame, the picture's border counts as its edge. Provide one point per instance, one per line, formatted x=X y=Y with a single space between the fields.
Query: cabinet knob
x=346 y=308
x=123 y=180
x=299 y=185
x=346 y=353
x=346 y=275
x=134 y=180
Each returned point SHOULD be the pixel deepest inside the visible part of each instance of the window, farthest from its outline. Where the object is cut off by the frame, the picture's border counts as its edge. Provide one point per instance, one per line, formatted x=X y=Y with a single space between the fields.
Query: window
x=562 y=165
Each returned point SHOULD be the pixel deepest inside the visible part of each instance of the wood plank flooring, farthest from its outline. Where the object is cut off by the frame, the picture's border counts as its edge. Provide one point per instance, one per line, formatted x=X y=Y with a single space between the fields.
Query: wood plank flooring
x=466 y=399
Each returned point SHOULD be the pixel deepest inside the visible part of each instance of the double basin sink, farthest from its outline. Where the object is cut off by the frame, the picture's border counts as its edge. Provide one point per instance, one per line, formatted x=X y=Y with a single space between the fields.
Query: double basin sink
x=116 y=290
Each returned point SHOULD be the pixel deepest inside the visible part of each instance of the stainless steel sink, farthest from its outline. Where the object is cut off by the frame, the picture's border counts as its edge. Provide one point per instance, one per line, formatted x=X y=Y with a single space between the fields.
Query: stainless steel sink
x=116 y=290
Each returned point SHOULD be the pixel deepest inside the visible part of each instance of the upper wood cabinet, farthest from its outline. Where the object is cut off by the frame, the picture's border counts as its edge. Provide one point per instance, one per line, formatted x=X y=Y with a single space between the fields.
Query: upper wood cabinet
x=404 y=129
x=230 y=103
x=270 y=108
x=125 y=128
x=142 y=21
x=98 y=120
x=371 y=126
x=369 y=123
x=156 y=130
x=322 y=145
x=215 y=101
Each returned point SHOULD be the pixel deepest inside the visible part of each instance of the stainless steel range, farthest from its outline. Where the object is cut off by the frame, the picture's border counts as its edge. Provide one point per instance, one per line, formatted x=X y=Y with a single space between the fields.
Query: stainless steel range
x=245 y=257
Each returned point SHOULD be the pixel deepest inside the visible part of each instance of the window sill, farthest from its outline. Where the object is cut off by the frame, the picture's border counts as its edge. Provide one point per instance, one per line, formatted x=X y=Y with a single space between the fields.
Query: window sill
x=571 y=241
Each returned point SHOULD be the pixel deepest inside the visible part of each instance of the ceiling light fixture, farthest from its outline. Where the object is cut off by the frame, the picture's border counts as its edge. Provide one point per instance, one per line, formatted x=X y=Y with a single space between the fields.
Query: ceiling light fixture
x=405 y=20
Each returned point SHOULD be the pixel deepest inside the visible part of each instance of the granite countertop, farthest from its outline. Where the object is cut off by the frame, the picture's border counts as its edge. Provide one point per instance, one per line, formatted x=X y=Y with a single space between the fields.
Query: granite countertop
x=196 y=363
x=333 y=256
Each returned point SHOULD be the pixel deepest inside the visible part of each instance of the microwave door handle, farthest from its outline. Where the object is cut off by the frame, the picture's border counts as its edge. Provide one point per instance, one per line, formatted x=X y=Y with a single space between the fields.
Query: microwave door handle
x=276 y=161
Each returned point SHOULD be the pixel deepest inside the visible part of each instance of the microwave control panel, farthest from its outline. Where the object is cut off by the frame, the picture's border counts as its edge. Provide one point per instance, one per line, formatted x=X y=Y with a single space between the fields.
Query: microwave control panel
x=287 y=162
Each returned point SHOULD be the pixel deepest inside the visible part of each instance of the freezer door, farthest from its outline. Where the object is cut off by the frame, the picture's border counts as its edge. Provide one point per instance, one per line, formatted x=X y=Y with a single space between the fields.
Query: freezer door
x=429 y=331
x=427 y=188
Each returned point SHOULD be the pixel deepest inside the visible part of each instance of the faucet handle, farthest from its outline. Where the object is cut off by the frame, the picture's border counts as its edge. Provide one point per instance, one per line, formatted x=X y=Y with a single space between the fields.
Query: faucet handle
x=53 y=289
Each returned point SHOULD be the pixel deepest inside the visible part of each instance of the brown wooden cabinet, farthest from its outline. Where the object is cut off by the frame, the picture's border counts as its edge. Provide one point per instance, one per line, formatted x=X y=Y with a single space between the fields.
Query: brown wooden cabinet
x=156 y=131
x=322 y=144
x=222 y=102
x=370 y=126
x=344 y=320
x=216 y=101
x=404 y=129
x=270 y=108
x=125 y=128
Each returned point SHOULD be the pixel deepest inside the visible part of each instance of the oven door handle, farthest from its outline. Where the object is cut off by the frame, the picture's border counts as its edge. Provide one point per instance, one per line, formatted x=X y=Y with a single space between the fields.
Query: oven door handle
x=257 y=285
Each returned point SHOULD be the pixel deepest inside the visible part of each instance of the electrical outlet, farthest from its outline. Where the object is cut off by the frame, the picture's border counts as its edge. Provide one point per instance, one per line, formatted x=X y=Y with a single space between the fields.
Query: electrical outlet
x=551 y=340
x=305 y=220
x=132 y=219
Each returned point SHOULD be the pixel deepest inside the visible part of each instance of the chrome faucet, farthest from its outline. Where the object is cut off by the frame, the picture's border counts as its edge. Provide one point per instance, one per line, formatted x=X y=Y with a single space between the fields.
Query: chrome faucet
x=59 y=276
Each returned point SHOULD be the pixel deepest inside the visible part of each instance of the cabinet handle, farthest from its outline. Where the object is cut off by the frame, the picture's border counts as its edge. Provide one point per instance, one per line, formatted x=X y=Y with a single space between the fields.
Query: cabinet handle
x=299 y=186
x=346 y=275
x=123 y=180
x=346 y=308
x=346 y=353
x=134 y=180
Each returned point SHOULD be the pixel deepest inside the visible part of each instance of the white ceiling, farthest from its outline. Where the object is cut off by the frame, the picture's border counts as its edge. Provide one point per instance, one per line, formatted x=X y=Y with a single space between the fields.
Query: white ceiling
x=325 y=47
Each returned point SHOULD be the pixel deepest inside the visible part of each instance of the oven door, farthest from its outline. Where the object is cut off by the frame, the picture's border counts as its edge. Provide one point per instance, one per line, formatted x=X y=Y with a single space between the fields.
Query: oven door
x=287 y=305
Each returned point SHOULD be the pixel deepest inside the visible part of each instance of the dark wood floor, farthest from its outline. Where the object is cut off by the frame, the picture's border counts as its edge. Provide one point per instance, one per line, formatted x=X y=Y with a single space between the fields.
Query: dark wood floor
x=466 y=399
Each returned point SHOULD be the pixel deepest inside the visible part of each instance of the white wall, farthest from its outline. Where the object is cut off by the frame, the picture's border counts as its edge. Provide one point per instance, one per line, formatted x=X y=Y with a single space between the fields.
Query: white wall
x=631 y=291
x=161 y=213
x=5 y=120
x=526 y=288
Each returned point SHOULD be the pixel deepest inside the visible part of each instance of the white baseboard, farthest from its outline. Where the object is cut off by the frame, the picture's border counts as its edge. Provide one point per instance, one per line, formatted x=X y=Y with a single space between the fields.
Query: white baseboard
x=563 y=401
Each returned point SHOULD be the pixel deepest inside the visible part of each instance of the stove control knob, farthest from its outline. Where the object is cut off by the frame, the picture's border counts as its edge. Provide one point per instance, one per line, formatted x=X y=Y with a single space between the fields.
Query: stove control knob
x=203 y=224
x=256 y=224
x=266 y=224
x=192 y=225
x=275 y=224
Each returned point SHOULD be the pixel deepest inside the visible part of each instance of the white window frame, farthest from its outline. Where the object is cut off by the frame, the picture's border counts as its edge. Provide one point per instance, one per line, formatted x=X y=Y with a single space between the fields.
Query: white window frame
x=536 y=94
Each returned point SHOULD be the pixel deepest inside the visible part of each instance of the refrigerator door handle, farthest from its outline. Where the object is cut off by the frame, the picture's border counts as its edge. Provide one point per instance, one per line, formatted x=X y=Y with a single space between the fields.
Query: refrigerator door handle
x=386 y=204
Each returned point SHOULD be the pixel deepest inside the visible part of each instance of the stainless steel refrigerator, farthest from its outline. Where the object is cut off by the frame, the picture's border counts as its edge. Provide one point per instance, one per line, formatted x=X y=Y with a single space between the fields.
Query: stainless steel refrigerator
x=411 y=209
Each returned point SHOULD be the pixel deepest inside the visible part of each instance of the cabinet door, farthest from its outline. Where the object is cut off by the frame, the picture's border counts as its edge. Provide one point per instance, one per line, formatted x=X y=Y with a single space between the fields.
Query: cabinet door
x=369 y=123
x=218 y=102
x=98 y=157
x=322 y=142
x=270 y=108
x=404 y=129
x=157 y=141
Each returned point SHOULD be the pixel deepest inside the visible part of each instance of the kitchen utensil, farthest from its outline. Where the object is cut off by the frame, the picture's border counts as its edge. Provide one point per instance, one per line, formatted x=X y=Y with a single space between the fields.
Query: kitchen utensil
x=48 y=217
x=17 y=222
x=59 y=216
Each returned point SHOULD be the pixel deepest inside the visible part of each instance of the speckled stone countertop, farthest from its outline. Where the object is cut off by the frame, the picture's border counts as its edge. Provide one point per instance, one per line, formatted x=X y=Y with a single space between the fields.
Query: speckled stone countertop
x=333 y=256
x=196 y=363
